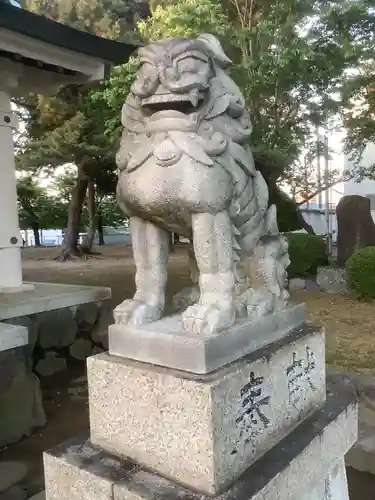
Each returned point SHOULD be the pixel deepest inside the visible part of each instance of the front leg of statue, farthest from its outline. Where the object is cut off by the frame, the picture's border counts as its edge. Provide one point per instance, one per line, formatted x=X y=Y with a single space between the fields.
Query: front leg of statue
x=150 y=251
x=215 y=310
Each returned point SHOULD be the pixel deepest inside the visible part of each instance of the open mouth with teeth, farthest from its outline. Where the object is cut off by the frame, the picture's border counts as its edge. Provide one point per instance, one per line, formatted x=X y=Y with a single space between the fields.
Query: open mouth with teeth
x=184 y=103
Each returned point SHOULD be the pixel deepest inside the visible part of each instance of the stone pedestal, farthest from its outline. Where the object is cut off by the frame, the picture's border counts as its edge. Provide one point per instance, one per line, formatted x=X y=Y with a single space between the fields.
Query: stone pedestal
x=306 y=465
x=216 y=424
x=262 y=427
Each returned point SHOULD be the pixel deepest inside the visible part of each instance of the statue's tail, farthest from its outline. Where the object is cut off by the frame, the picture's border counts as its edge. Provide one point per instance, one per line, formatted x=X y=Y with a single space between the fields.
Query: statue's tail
x=249 y=212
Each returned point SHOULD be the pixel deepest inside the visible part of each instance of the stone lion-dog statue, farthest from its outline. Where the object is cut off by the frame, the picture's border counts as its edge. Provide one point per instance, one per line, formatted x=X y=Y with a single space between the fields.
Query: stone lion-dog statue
x=185 y=167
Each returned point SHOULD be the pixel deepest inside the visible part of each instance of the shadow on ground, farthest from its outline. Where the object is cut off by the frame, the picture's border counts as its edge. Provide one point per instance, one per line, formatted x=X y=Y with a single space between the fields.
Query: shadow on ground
x=361 y=485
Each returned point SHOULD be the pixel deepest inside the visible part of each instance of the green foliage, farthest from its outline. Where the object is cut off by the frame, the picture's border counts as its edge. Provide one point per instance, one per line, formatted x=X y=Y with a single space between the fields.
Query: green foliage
x=76 y=123
x=351 y=26
x=186 y=18
x=109 y=212
x=285 y=66
x=109 y=18
x=307 y=252
x=291 y=59
x=113 y=94
x=360 y=269
x=37 y=208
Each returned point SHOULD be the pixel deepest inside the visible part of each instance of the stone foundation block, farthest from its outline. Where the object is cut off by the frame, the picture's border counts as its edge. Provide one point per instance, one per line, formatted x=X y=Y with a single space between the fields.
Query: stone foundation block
x=79 y=472
x=166 y=343
x=206 y=430
x=21 y=406
x=306 y=465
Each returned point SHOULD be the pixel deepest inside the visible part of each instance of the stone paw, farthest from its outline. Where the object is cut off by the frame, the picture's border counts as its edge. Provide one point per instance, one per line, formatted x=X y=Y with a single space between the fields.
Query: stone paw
x=135 y=312
x=206 y=319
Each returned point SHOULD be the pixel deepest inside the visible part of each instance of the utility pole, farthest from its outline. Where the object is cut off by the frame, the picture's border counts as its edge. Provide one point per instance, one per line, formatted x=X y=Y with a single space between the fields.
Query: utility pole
x=318 y=170
x=326 y=182
x=306 y=181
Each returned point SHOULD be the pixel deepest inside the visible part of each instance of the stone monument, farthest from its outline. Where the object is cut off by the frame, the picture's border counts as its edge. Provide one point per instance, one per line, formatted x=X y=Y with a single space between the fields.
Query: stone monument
x=228 y=399
x=356 y=228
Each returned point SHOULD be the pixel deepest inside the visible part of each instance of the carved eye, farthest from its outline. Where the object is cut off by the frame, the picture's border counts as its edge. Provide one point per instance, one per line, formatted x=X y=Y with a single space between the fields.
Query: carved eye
x=190 y=64
x=146 y=81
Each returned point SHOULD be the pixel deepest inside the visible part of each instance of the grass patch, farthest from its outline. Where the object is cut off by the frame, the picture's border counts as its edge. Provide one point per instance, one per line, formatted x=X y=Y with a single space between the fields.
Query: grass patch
x=350 y=329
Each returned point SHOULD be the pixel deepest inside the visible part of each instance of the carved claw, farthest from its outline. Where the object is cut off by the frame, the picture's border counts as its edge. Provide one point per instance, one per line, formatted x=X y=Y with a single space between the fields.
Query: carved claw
x=207 y=319
x=135 y=312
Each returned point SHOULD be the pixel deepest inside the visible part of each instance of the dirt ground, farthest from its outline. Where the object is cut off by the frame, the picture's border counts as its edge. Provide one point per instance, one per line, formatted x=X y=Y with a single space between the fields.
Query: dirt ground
x=114 y=269
x=350 y=346
x=349 y=324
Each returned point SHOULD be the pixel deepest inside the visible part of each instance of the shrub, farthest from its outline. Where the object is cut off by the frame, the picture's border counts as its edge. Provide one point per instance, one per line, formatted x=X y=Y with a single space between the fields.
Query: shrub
x=360 y=270
x=307 y=252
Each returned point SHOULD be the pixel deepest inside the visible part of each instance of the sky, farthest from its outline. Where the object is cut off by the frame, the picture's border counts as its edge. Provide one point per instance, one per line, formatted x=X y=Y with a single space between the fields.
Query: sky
x=336 y=144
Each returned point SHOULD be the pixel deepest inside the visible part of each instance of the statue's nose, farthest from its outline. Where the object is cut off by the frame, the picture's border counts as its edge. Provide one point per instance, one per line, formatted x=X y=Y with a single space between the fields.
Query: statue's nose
x=168 y=74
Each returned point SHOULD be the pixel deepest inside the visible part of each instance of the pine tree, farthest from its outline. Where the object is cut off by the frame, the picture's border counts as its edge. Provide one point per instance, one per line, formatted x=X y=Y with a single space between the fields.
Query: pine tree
x=71 y=127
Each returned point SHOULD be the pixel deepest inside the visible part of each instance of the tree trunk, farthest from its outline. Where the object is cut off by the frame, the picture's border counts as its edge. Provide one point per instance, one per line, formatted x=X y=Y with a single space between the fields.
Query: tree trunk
x=100 y=229
x=35 y=228
x=171 y=243
x=70 y=248
x=289 y=216
x=88 y=243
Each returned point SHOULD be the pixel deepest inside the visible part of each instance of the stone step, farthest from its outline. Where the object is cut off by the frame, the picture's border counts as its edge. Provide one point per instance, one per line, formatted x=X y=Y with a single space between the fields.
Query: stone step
x=217 y=424
x=306 y=465
x=49 y=297
x=12 y=336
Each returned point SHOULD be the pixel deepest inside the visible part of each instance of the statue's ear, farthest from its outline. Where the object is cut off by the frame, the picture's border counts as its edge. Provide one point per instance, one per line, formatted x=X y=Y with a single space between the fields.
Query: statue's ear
x=213 y=46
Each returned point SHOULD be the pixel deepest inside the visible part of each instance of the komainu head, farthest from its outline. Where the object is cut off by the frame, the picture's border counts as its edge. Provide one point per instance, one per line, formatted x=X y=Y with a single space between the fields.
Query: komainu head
x=178 y=74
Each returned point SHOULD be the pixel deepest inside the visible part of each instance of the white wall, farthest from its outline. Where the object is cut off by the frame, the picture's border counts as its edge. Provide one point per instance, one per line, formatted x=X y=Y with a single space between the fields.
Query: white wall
x=366 y=187
x=317 y=220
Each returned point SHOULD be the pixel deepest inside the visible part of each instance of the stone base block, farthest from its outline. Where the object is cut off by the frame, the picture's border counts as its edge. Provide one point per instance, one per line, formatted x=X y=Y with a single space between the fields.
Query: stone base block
x=332 y=279
x=206 y=430
x=306 y=465
x=21 y=405
x=165 y=342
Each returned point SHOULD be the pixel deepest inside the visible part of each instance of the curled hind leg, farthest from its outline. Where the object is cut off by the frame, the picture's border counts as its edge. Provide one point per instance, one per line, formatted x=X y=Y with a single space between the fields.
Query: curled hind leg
x=267 y=272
